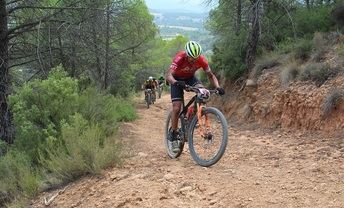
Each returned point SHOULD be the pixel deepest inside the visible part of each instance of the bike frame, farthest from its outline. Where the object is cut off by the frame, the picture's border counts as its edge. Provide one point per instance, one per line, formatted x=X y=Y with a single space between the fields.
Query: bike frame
x=198 y=104
x=194 y=100
x=186 y=107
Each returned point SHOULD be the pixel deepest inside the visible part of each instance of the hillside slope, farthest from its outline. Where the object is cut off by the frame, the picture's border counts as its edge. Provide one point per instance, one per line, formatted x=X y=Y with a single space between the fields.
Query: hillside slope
x=308 y=102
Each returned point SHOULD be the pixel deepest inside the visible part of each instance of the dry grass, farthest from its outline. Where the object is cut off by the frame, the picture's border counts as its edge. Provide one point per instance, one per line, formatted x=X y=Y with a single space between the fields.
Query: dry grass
x=331 y=102
x=318 y=73
x=321 y=47
x=86 y=151
x=340 y=50
x=266 y=62
x=289 y=73
x=303 y=50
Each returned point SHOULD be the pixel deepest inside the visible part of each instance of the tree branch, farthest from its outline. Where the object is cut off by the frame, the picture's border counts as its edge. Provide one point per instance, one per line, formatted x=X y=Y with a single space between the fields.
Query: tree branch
x=12 y=2
x=23 y=63
x=28 y=26
x=52 y=8
x=33 y=24
x=132 y=47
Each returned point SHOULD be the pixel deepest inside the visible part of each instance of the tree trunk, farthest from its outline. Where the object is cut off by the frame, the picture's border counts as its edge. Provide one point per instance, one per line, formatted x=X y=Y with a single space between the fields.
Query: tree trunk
x=97 y=54
x=73 y=60
x=61 y=52
x=238 y=20
x=254 y=35
x=107 y=47
x=6 y=132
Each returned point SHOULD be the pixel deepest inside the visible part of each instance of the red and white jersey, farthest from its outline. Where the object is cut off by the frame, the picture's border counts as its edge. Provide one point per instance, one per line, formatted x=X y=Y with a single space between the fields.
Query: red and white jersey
x=181 y=68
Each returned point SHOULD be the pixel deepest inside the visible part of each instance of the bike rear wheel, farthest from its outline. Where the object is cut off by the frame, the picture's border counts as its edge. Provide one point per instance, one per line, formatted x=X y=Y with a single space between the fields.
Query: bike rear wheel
x=168 y=143
x=208 y=146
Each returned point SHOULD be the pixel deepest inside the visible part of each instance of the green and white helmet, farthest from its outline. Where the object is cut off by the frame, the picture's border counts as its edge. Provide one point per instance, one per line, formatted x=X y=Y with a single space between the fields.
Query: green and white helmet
x=193 y=49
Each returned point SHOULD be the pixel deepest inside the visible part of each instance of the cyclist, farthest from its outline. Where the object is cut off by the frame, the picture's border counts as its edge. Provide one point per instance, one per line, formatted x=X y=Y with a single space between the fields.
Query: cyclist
x=181 y=73
x=160 y=85
x=150 y=84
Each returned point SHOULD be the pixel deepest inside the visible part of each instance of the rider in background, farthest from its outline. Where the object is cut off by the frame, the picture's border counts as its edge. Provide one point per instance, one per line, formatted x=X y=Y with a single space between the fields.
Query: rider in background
x=150 y=84
x=181 y=73
x=161 y=81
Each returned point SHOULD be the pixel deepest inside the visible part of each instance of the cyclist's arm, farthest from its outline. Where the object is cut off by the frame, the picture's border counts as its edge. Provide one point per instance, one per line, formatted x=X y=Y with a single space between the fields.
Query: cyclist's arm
x=169 y=76
x=212 y=78
x=175 y=63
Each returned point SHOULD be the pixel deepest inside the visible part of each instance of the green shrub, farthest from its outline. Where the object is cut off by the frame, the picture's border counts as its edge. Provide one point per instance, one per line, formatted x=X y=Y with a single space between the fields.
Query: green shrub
x=3 y=148
x=38 y=108
x=125 y=110
x=105 y=110
x=303 y=49
x=229 y=59
x=17 y=177
x=332 y=100
x=318 y=73
x=286 y=46
x=337 y=14
x=84 y=151
x=49 y=137
x=313 y=20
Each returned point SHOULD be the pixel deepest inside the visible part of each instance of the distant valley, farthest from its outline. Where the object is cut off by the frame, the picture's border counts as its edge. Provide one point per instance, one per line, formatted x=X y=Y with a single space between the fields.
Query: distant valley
x=189 y=24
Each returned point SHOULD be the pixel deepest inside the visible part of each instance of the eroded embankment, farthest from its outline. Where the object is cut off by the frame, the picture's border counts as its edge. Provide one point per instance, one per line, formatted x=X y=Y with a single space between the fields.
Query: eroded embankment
x=299 y=105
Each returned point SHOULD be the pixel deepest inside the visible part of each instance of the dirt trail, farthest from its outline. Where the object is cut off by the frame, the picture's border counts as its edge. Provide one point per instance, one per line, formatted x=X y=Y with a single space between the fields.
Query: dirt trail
x=259 y=169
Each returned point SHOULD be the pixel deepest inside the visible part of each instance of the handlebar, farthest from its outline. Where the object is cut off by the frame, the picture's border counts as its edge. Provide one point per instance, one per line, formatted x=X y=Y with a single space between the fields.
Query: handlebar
x=189 y=88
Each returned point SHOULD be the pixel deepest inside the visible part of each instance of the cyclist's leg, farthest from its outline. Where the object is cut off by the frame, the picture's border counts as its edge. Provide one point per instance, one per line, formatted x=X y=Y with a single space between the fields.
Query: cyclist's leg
x=176 y=107
x=176 y=97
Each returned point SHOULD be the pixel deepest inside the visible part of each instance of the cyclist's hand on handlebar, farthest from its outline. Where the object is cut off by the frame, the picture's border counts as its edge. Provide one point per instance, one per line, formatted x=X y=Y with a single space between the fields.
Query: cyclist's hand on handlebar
x=180 y=84
x=220 y=90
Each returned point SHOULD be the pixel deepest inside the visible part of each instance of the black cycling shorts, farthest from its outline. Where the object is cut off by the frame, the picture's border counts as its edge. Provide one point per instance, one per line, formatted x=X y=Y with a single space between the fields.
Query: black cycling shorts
x=177 y=93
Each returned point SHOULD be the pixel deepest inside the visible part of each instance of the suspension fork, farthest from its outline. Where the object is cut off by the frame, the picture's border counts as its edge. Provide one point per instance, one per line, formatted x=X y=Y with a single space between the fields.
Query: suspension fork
x=204 y=124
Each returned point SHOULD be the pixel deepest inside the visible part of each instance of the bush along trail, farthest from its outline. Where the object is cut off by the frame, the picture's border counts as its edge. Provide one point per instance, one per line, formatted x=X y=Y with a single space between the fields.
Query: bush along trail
x=261 y=168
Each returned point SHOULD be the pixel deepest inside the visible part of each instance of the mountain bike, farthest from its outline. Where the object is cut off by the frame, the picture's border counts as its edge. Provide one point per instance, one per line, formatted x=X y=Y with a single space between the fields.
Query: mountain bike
x=204 y=128
x=148 y=97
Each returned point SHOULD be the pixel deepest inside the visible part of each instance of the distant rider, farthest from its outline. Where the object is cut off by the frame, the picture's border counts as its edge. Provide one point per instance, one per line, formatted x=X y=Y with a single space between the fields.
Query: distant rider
x=150 y=84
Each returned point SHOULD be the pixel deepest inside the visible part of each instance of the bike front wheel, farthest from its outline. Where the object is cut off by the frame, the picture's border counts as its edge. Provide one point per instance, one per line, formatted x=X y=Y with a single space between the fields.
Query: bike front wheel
x=208 y=138
x=148 y=99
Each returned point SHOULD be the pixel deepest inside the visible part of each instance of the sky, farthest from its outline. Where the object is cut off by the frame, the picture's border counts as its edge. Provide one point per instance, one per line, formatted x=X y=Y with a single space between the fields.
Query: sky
x=191 y=5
